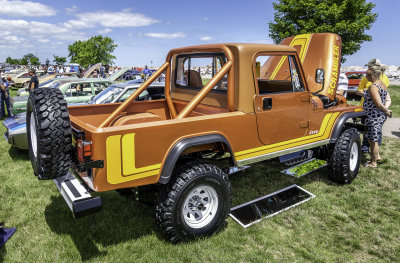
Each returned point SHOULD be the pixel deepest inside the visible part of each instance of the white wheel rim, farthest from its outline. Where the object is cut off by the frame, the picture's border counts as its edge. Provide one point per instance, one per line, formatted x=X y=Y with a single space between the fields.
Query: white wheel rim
x=33 y=135
x=200 y=206
x=353 y=156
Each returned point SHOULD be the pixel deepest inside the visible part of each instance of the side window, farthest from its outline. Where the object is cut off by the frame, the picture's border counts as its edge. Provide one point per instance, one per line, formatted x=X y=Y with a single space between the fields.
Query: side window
x=25 y=75
x=71 y=91
x=84 y=89
x=194 y=71
x=296 y=80
x=277 y=74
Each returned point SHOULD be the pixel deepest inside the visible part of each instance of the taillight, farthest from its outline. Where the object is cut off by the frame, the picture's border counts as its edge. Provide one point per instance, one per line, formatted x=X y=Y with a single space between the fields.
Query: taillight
x=83 y=150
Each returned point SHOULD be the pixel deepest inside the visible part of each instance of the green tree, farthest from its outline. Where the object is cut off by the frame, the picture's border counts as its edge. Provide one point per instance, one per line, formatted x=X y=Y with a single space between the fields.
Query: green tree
x=30 y=58
x=347 y=18
x=13 y=61
x=59 y=60
x=97 y=49
x=23 y=61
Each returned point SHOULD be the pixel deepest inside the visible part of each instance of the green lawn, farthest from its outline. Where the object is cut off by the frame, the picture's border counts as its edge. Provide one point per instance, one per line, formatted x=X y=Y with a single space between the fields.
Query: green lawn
x=352 y=223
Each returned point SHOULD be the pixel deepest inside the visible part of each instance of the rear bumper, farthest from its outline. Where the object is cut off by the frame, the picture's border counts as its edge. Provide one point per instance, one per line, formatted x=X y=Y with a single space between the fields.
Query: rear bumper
x=76 y=196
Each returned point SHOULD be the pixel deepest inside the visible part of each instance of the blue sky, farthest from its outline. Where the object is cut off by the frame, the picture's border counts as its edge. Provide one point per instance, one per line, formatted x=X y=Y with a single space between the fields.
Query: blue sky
x=146 y=30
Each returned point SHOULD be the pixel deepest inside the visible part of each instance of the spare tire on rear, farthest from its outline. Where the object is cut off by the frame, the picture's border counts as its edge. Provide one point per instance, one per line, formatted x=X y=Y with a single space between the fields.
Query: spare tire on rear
x=49 y=133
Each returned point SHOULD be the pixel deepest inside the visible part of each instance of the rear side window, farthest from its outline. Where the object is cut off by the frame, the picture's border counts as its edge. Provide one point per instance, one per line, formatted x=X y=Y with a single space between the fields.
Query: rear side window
x=194 y=71
x=278 y=74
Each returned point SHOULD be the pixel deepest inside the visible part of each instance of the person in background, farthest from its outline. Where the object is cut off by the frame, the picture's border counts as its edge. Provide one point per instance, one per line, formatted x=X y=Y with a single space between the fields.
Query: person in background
x=343 y=85
x=146 y=72
x=34 y=82
x=377 y=113
x=362 y=88
x=101 y=75
x=4 y=99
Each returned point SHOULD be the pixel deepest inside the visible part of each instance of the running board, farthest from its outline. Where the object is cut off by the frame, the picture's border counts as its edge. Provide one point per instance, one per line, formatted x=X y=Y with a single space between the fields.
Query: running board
x=305 y=167
x=76 y=196
x=267 y=206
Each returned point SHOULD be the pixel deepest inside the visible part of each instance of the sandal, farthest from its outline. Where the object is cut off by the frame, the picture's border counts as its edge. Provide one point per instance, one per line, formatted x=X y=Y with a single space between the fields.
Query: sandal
x=368 y=164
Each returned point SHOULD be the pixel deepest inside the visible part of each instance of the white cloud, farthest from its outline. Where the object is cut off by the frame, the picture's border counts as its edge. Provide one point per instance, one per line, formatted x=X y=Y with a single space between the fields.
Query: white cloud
x=166 y=35
x=39 y=30
x=11 y=40
x=206 y=38
x=110 y=19
x=25 y=8
x=206 y=18
x=71 y=10
x=105 y=31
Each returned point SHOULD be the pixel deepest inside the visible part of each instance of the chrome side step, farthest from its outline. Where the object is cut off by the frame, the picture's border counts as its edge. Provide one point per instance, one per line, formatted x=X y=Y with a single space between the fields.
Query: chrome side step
x=76 y=196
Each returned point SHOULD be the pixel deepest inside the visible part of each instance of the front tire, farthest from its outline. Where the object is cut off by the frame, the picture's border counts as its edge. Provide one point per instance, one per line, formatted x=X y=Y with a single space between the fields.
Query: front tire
x=345 y=157
x=194 y=204
x=49 y=133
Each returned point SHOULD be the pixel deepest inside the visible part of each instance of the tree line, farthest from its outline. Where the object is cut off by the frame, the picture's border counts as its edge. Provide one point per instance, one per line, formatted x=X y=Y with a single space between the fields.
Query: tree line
x=97 y=49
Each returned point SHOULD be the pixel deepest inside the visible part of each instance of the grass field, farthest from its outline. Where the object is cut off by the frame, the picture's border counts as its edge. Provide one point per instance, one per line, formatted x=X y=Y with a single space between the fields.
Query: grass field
x=351 y=223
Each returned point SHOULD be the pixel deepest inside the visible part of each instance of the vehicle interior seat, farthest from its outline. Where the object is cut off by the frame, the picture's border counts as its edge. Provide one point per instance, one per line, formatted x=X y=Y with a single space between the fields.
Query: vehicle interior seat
x=195 y=79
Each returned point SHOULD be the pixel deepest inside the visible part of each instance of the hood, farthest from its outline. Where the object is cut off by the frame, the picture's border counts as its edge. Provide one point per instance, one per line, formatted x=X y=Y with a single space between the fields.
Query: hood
x=90 y=70
x=118 y=74
x=319 y=50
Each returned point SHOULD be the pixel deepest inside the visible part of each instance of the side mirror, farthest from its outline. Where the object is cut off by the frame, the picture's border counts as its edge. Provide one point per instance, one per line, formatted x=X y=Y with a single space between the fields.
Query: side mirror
x=320 y=75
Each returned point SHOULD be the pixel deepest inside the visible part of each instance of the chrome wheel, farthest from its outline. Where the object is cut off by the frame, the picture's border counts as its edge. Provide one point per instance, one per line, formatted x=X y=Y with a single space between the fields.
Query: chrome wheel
x=200 y=206
x=33 y=135
x=353 y=156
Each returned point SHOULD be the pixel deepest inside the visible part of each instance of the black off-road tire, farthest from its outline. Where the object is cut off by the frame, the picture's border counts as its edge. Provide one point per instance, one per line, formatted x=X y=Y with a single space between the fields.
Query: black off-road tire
x=202 y=179
x=345 y=157
x=47 y=108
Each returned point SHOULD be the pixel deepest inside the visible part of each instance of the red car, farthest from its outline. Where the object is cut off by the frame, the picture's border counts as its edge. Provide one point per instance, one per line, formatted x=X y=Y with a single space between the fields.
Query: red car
x=355 y=78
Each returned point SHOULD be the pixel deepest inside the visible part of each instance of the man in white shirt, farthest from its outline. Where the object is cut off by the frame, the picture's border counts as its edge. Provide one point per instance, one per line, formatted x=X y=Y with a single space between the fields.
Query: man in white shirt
x=343 y=85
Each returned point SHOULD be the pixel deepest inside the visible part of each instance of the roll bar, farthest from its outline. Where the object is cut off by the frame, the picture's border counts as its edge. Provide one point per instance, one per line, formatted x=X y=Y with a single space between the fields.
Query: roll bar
x=227 y=68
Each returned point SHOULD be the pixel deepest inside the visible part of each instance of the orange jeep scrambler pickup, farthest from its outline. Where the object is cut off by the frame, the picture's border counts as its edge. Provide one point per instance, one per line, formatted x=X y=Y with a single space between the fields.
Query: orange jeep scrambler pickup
x=225 y=106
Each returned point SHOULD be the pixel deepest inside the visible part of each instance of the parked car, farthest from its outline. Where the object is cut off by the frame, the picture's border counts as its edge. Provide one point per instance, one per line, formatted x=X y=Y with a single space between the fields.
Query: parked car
x=355 y=78
x=132 y=74
x=78 y=90
x=16 y=126
x=21 y=78
x=55 y=82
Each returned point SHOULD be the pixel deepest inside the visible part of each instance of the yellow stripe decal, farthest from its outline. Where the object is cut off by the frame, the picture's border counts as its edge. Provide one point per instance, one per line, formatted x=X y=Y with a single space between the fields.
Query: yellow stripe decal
x=121 y=159
x=121 y=165
x=300 y=40
x=323 y=134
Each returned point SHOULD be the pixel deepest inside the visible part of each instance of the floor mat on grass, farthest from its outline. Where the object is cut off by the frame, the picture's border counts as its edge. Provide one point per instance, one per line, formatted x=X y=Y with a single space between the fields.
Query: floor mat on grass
x=5 y=234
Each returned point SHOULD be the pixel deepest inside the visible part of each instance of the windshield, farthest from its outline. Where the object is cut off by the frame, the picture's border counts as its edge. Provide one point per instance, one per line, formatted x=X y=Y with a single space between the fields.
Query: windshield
x=107 y=95
x=45 y=83
x=55 y=84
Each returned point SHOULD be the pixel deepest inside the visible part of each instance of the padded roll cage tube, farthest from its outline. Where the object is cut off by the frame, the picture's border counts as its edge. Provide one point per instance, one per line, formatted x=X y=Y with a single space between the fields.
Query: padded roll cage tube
x=134 y=95
x=337 y=130
x=227 y=68
x=184 y=144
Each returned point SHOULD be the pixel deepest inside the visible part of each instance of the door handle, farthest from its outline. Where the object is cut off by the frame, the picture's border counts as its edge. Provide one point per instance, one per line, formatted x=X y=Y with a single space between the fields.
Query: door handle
x=267 y=103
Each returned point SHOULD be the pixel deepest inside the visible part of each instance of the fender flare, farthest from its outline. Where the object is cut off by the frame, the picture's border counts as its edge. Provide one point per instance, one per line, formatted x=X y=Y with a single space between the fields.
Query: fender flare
x=337 y=130
x=182 y=145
